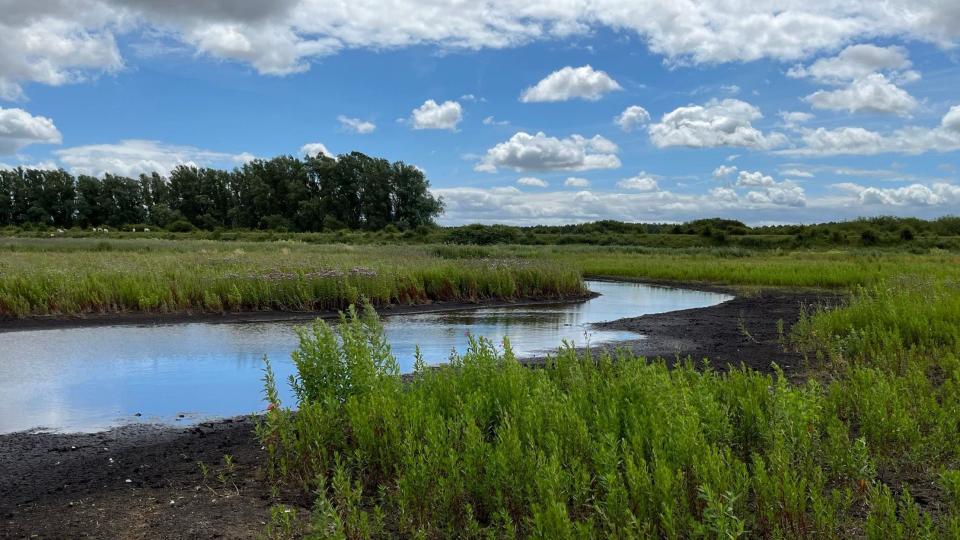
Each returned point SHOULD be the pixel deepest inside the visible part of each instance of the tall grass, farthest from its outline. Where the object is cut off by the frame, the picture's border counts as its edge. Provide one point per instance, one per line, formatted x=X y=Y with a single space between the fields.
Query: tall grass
x=607 y=447
x=76 y=276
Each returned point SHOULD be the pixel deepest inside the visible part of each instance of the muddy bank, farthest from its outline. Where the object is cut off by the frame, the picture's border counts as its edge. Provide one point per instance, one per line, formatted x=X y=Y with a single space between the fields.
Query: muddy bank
x=133 y=482
x=74 y=486
x=746 y=329
x=141 y=318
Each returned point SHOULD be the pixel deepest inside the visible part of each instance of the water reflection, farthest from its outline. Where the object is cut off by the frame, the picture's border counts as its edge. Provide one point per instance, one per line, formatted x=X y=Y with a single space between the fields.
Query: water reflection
x=88 y=379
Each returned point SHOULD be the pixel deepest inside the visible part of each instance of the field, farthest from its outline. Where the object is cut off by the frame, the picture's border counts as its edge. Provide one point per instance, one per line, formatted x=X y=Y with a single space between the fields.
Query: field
x=862 y=440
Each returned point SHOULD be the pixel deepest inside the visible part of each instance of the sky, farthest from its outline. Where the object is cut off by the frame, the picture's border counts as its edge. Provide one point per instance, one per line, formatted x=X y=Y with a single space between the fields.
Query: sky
x=518 y=112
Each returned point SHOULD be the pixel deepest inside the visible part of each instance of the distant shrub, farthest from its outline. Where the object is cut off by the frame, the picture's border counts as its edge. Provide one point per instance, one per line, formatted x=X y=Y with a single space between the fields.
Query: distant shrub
x=181 y=226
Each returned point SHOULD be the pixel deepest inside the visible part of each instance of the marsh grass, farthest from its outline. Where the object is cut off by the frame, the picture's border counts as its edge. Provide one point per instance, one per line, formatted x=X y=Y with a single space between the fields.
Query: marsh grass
x=605 y=447
x=76 y=277
x=68 y=276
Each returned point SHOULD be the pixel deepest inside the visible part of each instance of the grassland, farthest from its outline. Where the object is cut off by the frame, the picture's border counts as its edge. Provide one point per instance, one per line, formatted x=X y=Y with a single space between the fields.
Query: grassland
x=70 y=276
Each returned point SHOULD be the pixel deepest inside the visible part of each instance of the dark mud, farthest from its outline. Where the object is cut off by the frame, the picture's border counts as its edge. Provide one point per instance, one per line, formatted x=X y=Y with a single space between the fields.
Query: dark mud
x=134 y=482
x=76 y=486
x=750 y=330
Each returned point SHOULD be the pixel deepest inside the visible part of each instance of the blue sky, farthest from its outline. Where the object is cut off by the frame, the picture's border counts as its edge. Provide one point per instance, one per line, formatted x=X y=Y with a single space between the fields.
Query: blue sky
x=807 y=112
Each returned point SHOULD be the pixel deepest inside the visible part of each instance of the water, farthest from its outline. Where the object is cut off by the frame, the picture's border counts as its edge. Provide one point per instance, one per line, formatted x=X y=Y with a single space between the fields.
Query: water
x=91 y=379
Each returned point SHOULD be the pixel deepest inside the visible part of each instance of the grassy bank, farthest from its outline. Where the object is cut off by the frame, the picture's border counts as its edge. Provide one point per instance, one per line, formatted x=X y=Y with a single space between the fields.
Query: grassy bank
x=618 y=447
x=85 y=276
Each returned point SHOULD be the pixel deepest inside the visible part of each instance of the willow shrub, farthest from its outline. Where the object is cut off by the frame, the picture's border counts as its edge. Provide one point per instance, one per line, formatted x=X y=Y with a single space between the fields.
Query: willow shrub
x=610 y=446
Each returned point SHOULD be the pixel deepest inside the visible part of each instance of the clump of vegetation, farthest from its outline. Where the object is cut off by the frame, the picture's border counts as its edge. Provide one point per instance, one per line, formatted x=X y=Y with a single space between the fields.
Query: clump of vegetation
x=609 y=446
x=73 y=276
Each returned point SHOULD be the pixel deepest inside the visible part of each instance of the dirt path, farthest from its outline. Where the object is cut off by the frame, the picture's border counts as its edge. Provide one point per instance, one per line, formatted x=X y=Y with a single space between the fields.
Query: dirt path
x=145 y=481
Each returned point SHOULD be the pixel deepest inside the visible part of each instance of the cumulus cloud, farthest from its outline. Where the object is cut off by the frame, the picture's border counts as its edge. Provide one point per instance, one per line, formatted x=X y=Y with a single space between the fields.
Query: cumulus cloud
x=574 y=181
x=640 y=182
x=861 y=141
x=503 y=205
x=356 y=125
x=754 y=178
x=854 y=62
x=871 y=93
x=632 y=117
x=313 y=149
x=951 y=120
x=786 y=193
x=432 y=115
x=723 y=171
x=54 y=42
x=912 y=195
x=18 y=128
x=718 y=123
x=571 y=83
x=724 y=194
x=525 y=152
x=532 y=181
x=134 y=157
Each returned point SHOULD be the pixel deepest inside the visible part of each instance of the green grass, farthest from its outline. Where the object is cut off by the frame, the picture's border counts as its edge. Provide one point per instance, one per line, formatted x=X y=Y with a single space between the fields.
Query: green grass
x=84 y=276
x=74 y=276
x=611 y=447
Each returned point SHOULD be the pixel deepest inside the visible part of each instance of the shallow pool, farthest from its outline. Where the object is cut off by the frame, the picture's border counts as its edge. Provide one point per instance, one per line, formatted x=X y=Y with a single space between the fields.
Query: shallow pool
x=94 y=378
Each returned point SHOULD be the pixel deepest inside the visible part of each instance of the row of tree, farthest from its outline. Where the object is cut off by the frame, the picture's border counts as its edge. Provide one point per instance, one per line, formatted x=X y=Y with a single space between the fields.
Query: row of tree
x=353 y=191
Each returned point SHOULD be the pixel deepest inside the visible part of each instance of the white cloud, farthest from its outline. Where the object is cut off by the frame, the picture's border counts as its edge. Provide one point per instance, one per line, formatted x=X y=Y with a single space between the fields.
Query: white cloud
x=724 y=171
x=40 y=165
x=632 y=117
x=491 y=121
x=431 y=115
x=854 y=62
x=18 y=128
x=724 y=194
x=640 y=182
x=871 y=93
x=718 y=123
x=951 y=120
x=503 y=205
x=312 y=149
x=54 y=42
x=356 y=125
x=755 y=178
x=134 y=156
x=525 y=152
x=860 y=141
x=912 y=195
x=792 y=119
x=798 y=173
x=532 y=182
x=571 y=83
x=786 y=193
x=574 y=181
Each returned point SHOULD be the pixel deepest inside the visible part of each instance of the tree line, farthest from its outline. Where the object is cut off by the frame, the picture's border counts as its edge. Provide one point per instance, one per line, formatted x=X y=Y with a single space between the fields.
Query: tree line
x=352 y=191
